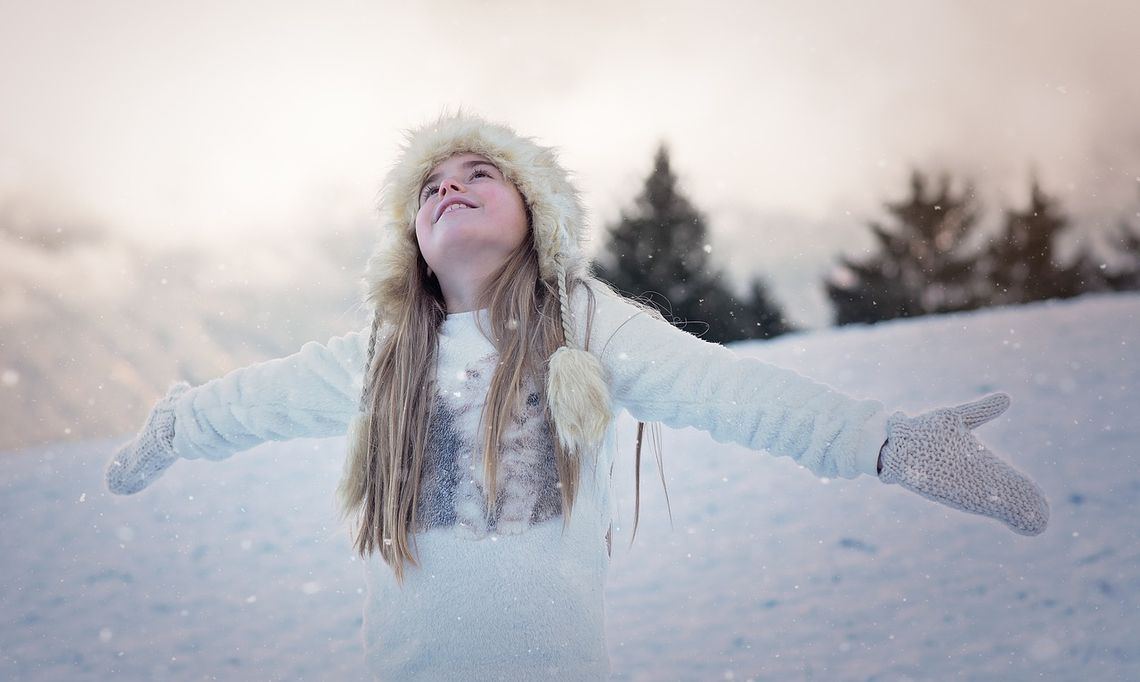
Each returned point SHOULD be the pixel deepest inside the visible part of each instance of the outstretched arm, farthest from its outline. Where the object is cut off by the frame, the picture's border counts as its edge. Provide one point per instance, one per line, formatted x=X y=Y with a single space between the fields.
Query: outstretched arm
x=312 y=393
x=660 y=373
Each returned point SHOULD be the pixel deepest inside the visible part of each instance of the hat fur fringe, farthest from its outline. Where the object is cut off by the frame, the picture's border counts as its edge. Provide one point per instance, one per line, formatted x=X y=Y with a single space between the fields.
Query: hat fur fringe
x=579 y=399
x=557 y=212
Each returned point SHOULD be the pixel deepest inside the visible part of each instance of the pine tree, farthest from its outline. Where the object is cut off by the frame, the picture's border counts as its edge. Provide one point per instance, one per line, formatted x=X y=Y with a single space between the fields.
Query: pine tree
x=1126 y=277
x=767 y=318
x=920 y=268
x=660 y=253
x=1022 y=262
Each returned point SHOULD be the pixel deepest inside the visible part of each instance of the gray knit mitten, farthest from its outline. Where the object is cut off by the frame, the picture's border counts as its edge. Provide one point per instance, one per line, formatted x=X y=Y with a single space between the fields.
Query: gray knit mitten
x=138 y=463
x=936 y=455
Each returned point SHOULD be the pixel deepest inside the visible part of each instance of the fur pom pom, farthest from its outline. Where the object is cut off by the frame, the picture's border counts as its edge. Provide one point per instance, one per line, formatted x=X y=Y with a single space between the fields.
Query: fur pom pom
x=350 y=492
x=579 y=399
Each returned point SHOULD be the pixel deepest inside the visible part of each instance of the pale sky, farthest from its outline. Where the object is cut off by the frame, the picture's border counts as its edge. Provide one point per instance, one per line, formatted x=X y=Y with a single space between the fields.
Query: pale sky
x=790 y=122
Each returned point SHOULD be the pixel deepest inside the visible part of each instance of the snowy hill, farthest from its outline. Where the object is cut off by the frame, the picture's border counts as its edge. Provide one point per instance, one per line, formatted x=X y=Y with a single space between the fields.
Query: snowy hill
x=238 y=570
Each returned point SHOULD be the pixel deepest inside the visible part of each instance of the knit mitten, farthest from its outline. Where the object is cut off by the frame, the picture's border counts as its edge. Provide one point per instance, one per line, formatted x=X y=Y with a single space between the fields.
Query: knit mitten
x=138 y=463
x=936 y=455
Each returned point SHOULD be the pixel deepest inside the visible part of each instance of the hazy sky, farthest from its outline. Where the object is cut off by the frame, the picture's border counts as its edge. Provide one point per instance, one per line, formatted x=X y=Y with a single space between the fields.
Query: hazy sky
x=790 y=122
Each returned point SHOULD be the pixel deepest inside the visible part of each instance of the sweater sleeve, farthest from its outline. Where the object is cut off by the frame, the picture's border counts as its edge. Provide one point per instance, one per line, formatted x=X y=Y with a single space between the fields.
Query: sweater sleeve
x=659 y=373
x=314 y=392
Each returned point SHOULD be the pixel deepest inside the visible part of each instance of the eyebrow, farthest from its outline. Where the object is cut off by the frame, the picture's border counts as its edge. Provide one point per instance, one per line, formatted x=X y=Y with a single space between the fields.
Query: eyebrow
x=466 y=164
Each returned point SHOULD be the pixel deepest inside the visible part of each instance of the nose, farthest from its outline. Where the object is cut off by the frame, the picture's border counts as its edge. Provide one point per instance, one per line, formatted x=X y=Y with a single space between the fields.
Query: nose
x=449 y=185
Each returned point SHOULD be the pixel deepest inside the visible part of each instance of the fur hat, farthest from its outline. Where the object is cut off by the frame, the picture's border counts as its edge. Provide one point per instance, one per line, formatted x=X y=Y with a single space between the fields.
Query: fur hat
x=576 y=388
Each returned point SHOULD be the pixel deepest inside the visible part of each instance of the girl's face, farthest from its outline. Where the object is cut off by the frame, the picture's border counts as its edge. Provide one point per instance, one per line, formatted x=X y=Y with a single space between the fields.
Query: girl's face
x=471 y=217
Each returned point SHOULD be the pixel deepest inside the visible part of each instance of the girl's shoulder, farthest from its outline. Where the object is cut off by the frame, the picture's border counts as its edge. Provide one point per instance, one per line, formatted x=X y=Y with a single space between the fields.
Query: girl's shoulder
x=604 y=314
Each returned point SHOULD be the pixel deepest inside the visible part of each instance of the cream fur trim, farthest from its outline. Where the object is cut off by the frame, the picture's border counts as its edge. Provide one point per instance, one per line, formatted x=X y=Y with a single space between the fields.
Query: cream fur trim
x=579 y=399
x=557 y=213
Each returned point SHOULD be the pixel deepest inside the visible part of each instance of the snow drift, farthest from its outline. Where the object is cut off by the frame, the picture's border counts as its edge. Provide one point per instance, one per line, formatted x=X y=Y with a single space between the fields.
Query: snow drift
x=239 y=570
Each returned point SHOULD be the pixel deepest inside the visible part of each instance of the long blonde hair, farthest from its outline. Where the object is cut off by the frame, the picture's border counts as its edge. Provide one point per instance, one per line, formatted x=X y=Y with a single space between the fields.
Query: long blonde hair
x=381 y=485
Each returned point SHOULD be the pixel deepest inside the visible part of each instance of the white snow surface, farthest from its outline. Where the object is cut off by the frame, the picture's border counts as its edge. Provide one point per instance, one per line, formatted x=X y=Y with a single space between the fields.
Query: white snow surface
x=239 y=570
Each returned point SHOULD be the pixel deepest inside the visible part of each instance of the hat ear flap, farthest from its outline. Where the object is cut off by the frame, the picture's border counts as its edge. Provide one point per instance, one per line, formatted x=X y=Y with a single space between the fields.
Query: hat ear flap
x=579 y=399
x=576 y=386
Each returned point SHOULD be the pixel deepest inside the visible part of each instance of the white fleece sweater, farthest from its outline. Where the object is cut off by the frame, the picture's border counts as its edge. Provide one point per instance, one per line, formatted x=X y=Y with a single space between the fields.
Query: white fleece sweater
x=508 y=593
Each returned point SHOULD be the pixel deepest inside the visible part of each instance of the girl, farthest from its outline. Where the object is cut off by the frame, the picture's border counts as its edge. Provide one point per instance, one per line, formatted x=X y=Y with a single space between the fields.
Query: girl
x=479 y=403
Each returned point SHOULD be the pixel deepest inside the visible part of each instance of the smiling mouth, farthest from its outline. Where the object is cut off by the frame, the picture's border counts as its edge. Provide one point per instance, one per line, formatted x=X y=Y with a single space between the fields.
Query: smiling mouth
x=457 y=206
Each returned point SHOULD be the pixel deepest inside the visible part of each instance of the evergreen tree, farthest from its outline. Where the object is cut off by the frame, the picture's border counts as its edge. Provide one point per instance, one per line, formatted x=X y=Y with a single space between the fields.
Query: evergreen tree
x=767 y=318
x=920 y=267
x=1127 y=276
x=660 y=253
x=1022 y=262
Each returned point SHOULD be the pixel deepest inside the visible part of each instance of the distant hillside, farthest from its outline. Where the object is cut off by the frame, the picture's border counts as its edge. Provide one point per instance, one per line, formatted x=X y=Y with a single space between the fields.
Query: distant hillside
x=93 y=330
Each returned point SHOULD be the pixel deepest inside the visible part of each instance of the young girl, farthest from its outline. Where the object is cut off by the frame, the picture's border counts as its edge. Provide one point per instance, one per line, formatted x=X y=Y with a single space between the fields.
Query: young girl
x=479 y=407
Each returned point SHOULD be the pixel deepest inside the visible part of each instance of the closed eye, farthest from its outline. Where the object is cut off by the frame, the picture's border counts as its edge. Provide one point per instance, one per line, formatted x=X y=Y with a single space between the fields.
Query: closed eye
x=430 y=189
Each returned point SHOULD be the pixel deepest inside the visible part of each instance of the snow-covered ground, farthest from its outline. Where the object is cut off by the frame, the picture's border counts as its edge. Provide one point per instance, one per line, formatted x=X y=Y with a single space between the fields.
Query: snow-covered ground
x=238 y=570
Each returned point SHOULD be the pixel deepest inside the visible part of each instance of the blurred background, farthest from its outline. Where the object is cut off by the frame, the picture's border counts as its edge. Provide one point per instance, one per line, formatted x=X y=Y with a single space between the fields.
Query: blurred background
x=186 y=188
